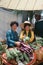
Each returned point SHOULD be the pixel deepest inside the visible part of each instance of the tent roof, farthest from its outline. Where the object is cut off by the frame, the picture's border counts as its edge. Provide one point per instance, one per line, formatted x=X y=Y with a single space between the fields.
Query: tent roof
x=22 y=4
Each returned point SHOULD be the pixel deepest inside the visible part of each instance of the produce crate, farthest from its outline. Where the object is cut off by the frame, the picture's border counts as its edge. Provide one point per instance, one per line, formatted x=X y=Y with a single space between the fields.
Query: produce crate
x=4 y=59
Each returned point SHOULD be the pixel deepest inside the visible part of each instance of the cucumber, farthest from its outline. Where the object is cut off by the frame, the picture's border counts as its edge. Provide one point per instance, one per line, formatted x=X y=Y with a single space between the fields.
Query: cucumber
x=19 y=53
x=13 y=53
x=21 y=56
x=26 y=57
x=9 y=57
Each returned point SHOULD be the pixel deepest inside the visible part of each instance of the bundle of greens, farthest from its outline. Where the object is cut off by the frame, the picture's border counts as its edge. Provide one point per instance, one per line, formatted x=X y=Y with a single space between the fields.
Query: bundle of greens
x=37 y=44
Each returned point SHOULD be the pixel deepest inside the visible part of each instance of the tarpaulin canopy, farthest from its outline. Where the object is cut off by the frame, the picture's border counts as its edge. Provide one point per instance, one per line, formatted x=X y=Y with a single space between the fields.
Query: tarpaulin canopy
x=22 y=4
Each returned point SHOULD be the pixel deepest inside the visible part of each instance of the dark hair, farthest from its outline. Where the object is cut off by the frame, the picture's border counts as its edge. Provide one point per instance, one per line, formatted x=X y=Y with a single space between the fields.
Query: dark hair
x=26 y=24
x=37 y=15
x=13 y=22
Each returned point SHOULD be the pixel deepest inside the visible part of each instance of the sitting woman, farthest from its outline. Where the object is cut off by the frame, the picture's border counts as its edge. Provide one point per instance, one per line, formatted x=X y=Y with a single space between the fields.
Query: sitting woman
x=12 y=37
x=27 y=34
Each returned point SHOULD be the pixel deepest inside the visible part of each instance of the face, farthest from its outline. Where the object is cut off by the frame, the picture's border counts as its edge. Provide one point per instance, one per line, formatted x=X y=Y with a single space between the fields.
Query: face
x=14 y=27
x=37 y=17
x=27 y=28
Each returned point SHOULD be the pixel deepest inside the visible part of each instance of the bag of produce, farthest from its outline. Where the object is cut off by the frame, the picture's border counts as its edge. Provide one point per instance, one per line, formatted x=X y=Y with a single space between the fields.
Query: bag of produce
x=39 y=54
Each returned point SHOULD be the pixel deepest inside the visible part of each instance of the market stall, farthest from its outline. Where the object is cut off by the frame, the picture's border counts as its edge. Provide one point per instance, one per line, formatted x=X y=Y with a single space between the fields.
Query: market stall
x=37 y=54
x=6 y=54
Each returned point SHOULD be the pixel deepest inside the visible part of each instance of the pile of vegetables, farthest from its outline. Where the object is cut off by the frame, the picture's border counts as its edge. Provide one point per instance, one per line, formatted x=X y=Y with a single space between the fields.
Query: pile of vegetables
x=40 y=41
x=1 y=48
x=20 y=54
x=37 y=44
x=38 y=48
x=14 y=54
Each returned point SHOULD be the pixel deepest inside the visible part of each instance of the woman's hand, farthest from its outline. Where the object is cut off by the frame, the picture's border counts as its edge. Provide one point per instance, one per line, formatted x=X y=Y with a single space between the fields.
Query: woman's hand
x=24 y=36
x=17 y=44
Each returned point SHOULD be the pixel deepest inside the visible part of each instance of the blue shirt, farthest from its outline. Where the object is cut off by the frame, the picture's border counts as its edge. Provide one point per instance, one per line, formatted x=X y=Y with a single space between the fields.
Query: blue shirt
x=11 y=37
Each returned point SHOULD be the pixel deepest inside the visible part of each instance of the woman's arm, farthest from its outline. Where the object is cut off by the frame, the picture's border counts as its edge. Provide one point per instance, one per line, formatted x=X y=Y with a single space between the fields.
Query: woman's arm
x=32 y=37
x=21 y=35
x=8 y=37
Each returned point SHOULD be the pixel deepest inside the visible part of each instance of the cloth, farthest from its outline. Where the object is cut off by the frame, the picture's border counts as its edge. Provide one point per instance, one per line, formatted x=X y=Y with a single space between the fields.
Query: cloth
x=11 y=37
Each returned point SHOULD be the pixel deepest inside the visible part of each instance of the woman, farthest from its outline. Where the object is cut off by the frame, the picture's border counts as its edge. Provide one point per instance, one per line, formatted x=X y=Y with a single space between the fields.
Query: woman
x=12 y=37
x=27 y=32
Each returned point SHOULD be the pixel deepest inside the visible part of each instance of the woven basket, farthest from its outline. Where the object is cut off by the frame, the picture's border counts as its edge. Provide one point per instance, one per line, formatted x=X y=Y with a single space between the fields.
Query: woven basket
x=32 y=61
x=4 y=60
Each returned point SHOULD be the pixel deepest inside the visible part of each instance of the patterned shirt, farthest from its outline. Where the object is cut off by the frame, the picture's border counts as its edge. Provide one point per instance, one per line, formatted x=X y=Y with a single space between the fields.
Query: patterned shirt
x=11 y=36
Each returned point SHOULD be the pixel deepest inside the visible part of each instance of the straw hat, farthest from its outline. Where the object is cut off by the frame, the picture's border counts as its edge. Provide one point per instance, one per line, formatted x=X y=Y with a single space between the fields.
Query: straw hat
x=22 y=25
x=27 y=22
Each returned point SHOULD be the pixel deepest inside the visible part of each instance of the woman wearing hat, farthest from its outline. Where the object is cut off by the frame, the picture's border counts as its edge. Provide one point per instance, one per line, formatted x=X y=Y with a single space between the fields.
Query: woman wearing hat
x=27 y=33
